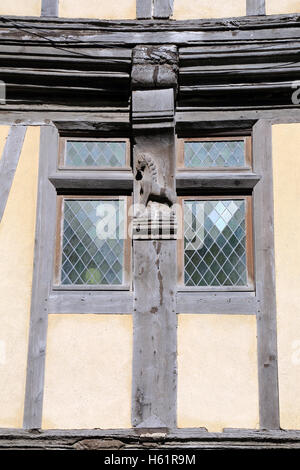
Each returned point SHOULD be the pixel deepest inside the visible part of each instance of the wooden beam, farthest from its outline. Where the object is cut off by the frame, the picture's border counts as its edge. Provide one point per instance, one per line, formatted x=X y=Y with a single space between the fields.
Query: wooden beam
x=163 y=9
x=222 y=303
x=86 y=180
x=141 y=439
x=114 y=302
x=204 y=180
x=189 y=117
x=43 y=266
x=154 y=335
x=144 y=9
x=64 y=33
x=154 y=381
x=256 y=7
x=50 y=7
x=9 y=163
x=265 y=277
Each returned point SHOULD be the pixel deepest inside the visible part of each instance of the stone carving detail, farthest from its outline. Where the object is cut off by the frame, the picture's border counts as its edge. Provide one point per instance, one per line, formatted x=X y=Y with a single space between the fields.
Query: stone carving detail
x=155 y=217
x=150 y=189
x=154 y=67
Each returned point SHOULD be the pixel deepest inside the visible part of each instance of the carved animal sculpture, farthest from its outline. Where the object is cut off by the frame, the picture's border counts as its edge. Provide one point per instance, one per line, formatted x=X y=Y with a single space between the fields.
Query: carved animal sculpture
x=150 y=189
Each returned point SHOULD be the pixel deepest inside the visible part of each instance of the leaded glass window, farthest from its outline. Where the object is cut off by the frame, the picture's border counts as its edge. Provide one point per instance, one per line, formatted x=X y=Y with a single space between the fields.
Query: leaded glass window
x=215 y=153
x=216 y=242
x=97 y=153
x=93 y=241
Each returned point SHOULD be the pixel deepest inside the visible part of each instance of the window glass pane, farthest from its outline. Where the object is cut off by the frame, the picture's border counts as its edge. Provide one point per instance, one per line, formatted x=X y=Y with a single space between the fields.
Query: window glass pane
x=230 y=153
x=93 y=242
x=94 y=154
x=215 y=243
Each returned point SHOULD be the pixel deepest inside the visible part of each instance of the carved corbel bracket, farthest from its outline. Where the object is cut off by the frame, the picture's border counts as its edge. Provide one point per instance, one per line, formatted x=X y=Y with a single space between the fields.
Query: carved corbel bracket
x=154 y=67
x=154 y=84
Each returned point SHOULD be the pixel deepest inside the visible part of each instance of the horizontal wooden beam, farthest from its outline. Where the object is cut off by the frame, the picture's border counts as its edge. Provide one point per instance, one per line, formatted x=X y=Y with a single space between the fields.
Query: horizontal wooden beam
x=101 y=180
x=223 y=303
x=233 y=52
x=90 y=302
x=128 y=439
x=215 y=180
x=187 y=116
x=63 y=32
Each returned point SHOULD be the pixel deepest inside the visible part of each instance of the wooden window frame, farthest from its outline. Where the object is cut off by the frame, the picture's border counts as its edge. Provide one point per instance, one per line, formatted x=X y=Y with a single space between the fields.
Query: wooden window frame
x=62 y=154
x=249 y=247
x=248 y=154
x=127 y=272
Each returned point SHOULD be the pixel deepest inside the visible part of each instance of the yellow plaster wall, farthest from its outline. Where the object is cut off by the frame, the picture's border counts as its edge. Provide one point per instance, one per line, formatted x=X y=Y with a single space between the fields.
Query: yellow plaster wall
x=20 y=7
x=286 y=167
x=17 y=230
x=217 y=372
x=277 y=7
x=185 y=10
x=88 y=372
x=102 y=9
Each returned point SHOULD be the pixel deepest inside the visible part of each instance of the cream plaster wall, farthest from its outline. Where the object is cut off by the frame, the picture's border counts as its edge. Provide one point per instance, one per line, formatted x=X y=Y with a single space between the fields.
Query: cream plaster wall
x=17 y=230
x=20 y=7
x=88 y=372
x=184 y=10
x=101 y=9
x=286 y=165
x=217 y=372
x=277 y=7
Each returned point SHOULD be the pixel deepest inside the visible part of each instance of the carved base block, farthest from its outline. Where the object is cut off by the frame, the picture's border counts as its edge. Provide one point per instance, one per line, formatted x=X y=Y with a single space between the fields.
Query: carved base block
x=145 y=228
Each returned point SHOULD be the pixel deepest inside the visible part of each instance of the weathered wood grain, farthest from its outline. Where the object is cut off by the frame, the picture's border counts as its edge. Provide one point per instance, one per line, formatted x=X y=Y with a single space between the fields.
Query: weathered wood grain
x=155 y=334
x=85 y=180
x=49 y=7
x=163 y=8
x=189 y=180
x=131 y=439
x=126 y=32
x=90 y=302
x=265 y=277
x=256 y=7
x=154 y=381
x=221 y=303
x=144 y=9
x=43 y=268
x=9 y=163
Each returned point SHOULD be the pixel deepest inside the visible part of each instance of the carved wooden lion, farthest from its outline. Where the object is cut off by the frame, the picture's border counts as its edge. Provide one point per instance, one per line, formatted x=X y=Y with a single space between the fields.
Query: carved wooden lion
x=150 y=189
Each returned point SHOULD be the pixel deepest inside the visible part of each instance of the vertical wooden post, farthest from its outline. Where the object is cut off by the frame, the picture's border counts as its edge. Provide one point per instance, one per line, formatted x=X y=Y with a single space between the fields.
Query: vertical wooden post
x=50 y=7
x=154 y=251
x=256 y=7
x=265 y=277
x=43 y=265
x=163 y=8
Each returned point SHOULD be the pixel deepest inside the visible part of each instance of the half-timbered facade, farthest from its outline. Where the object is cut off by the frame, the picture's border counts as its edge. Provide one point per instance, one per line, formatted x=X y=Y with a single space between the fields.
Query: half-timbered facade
x=149 y=254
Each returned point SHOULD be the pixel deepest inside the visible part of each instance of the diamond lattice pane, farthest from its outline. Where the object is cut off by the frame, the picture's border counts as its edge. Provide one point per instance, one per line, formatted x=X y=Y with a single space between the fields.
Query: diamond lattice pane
x=95 y=154
x=214 y=154
x=93 y=242
x=215 y=243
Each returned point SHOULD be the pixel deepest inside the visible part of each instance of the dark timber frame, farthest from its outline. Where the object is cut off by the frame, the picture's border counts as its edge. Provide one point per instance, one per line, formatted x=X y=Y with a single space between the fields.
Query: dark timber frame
x=50 y=7
x=256 y=7
x=106 y=64
x=9 y=162
x=147 y=9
